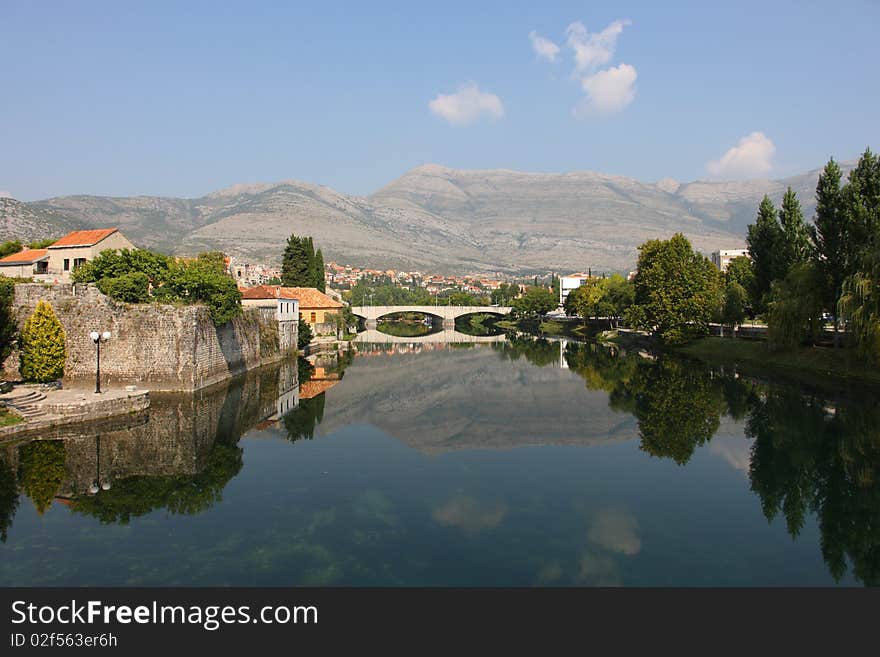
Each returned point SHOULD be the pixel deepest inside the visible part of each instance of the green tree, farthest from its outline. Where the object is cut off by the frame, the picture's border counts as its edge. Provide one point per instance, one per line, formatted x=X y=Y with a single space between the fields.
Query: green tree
x=296 y=268
x=216 y=260
x=535 y=301
x=133 y=287
x=587 y=300
x=620 y=295
x=42 y=346
x=795 y=235
x=862 y=202
x=304 y=333
x=830 y=236
x=796 y=307
x=677 y=290
x=860 y=306
x=506 y=293
x=739 y=271
x=765 y=242
x=734 y=310
x=9 y=247
x=200 y=282
x=320 y=282
x=42 y=244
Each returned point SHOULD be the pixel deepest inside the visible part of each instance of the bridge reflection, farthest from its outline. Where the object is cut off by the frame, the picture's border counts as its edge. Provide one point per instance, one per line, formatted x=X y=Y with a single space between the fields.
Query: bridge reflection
x=444 y=336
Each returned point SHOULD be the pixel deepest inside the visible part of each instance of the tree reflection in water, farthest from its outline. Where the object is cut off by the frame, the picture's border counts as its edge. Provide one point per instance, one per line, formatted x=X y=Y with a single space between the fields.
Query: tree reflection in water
x=808 y=455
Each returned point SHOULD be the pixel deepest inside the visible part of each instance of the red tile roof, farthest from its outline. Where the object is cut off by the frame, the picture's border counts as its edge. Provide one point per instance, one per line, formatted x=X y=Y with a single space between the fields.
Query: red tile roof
x=26 y=257
x=308 y=297
x=83 y=237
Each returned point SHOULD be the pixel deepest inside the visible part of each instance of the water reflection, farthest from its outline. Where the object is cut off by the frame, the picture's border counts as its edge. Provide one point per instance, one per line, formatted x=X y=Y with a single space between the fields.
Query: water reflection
x=808 y=455
x=807 y=459
x=177 y=456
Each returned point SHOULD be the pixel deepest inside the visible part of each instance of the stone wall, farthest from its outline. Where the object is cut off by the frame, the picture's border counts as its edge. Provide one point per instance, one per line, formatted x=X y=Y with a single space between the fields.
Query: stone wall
x=155 y=346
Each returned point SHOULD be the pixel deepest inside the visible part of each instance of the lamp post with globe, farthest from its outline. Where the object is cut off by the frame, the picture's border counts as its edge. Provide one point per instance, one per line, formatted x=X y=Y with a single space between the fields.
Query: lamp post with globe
x=98 y=338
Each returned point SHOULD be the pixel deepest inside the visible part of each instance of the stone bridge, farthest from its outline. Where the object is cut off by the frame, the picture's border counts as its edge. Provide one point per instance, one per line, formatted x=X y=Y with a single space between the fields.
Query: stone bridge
x=448 y=314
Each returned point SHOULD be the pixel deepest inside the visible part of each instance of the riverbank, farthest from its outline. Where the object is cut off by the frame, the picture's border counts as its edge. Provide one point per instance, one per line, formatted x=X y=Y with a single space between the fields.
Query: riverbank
x=816 y=364
x=564 y=328
x=40 y=409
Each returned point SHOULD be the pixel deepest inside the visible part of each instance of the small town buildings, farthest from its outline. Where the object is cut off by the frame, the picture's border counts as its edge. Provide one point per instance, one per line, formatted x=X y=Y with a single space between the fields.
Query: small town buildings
x=569 y=283
x=317 y=309
x=29 y=263
x=80 y=246
x=722 y=257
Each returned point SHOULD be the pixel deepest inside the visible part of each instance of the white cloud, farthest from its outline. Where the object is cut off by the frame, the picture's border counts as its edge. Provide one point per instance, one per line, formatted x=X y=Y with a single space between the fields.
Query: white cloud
x=5 y=194
x=609 y=90
x=617 y=531
x=470 y=514
x=592 y=50
x=467 y=105
x=752 y=156
x=544 y=48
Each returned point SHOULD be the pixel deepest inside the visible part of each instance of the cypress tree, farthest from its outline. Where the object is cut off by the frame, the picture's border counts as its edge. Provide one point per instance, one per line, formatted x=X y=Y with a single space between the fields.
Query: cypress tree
x=830 y=236
x=765 y=240
x=295 y=265
x=310 y=257
x=42 y=346
x=319 y=267
x=796 y=240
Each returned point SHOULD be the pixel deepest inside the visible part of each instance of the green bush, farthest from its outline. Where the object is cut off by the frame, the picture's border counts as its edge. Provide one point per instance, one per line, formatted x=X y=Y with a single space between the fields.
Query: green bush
x=42 y=346
x=132 y=288
x=304 y=335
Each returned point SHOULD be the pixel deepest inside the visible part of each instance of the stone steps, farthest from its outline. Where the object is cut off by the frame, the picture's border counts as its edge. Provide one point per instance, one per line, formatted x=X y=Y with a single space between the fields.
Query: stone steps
x=24 y=403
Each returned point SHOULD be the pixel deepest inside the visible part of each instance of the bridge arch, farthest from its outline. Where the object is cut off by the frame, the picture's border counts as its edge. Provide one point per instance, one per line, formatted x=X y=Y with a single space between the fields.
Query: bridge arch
x=371 y=314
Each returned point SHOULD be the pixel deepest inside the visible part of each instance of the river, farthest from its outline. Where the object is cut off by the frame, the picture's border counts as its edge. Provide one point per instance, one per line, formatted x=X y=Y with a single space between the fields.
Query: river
x=515 y=462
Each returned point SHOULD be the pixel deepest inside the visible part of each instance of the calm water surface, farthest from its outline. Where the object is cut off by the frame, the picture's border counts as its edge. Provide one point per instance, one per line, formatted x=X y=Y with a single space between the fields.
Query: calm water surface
x=512 y=463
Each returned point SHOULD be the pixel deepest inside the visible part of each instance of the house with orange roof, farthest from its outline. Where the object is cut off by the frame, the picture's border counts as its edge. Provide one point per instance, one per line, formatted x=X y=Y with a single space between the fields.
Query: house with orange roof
x=80 y=246
x=317 y=309
x=25 y=264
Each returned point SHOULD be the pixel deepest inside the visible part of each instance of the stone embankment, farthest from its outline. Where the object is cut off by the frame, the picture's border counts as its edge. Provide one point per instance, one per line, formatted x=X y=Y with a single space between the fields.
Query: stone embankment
x=43 y=409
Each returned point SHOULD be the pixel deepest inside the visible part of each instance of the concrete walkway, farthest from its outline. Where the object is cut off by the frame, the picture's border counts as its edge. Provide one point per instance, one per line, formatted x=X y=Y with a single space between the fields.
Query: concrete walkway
x=41 y=408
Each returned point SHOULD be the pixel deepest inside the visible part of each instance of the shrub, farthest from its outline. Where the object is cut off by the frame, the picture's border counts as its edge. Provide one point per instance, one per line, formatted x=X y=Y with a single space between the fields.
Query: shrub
x=42 y=346
x=304 y=335
x=133 y=287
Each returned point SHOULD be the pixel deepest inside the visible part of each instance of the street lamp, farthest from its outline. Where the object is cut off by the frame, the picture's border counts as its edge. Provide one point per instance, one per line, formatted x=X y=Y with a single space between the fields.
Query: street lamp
x=98 y=338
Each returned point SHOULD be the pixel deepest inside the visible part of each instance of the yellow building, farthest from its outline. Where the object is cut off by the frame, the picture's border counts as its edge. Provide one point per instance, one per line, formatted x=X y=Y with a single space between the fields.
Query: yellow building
x=317 y=309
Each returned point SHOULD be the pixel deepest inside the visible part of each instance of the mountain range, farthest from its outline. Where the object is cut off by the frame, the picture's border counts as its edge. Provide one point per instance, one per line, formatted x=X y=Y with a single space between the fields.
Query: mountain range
x=432 y=218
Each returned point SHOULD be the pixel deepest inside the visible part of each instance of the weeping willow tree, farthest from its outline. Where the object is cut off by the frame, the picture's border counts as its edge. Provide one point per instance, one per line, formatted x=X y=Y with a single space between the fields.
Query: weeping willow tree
x=859 y=305
x=795 y=313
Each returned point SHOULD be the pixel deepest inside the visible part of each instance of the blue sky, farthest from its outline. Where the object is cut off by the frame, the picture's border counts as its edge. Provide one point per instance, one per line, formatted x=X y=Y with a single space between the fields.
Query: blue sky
x=180 y=99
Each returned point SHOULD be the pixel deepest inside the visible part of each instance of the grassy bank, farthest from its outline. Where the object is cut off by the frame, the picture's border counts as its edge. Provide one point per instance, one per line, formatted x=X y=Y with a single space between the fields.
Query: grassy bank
x=816 y=363
x=8 y=418
x=549 y=327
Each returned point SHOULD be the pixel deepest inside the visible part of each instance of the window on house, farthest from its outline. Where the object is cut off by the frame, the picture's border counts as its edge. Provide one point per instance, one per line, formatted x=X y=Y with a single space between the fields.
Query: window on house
x=314 y=318
x=77 y=262
x=67 y=264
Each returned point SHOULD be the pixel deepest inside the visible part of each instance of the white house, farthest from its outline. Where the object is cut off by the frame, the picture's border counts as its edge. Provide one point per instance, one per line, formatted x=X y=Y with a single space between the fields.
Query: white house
x=569 y=283
x=25 y=264
x=722 y=257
